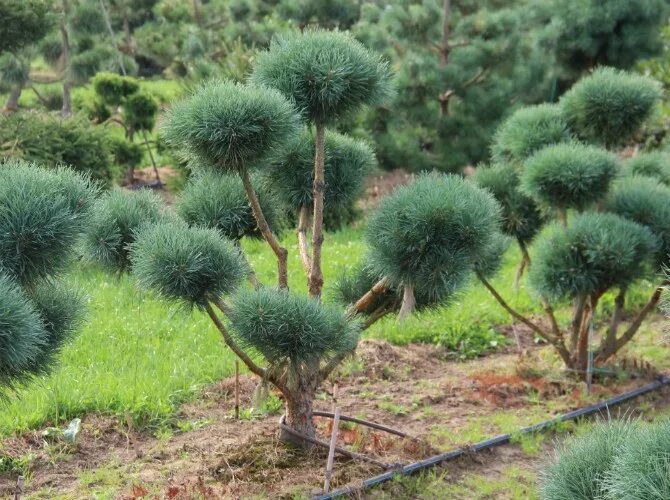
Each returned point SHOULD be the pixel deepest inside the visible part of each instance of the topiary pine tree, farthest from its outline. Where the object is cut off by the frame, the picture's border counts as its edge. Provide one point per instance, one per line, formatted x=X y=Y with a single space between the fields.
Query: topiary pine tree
x=226 y=129
x=43 y=214
x=591 y=253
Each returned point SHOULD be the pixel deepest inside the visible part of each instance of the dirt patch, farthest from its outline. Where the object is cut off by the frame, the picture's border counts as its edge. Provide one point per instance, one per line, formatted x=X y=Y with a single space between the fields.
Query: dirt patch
x=209 y=454
x=380 y=185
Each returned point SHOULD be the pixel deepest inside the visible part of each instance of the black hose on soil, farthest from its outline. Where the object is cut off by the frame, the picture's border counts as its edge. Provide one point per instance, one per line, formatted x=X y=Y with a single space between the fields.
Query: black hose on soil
x=662 y=381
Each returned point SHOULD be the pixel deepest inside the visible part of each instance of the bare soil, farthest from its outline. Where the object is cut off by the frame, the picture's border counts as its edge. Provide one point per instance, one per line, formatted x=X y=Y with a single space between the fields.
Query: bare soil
x=413 y=388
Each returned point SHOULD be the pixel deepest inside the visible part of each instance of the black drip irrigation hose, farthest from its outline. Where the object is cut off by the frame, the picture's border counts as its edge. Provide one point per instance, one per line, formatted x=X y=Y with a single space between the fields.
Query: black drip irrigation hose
x=412 y=468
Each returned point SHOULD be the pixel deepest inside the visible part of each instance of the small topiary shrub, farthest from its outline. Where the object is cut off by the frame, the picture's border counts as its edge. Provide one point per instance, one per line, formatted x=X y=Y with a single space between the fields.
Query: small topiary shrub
x=528 y=130
x=609 y=106
x=43 y=212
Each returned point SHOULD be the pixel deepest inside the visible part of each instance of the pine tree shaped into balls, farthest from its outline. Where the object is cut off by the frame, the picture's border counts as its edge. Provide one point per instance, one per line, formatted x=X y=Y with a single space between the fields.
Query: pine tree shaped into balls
x=251 y=144
x=42 y=215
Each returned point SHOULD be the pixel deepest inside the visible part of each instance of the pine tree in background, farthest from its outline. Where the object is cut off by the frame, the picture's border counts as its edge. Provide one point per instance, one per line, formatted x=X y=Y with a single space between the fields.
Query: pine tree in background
x=44 y=212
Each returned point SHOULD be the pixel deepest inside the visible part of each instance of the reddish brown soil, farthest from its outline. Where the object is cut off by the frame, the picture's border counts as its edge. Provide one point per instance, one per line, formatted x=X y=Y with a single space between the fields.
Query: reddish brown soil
x=412 y=388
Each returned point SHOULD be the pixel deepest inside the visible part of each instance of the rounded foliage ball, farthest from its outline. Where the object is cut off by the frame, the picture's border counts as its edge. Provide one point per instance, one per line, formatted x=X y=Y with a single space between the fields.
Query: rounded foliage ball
x=117 y=216
x=287 y=327
x=346 y=161
x=609 y=106
x=42 y=214
x=521 y=217
x=430 y=233
x=22 y=333
x=217 y=200
x=641 y=469
x=326 y=73
x=139 y=111
x=528 y=130
x=186 y=263
x=654 y=164
x=490 y=259
x=647 y=202
x=581 y=464
x=596 y=252
x=569 y=175
x=113 y=88
x=229 y=125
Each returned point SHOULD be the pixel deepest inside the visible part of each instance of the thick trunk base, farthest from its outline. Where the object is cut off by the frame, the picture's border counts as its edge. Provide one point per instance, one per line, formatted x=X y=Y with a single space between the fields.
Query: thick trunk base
x=300 y=418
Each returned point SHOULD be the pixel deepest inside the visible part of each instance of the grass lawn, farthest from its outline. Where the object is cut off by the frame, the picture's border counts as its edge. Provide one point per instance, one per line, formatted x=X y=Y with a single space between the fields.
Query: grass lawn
x=138 y=357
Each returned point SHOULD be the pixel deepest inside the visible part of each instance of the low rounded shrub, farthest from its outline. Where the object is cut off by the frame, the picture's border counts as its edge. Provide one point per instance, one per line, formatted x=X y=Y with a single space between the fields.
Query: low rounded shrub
x=596 y=252
x=117 y=216
x=582 y=463
x=217 y=200
x=139 y=111
x=528 y=130
x=654 y=164
x=610 y=105
x=113 y=88
x=429 y=234
x=521 y=217
x=645 y=201
x=229 y=125
x=569 y=175
x=186 y=263
x=347 y=161
x=286 y=327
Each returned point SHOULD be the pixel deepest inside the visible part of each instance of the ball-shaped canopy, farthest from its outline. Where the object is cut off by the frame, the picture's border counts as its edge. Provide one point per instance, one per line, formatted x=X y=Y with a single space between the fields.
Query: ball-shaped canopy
x=139 y=111
x=217 y=200
x=596 y=252
x=117 y=216
x=430 y=233
x=186 y=263
x=346 y=161
x=569 y=175
x=229 y=125
x=113 y=88
x=521 y=217
x=655 y=164
x=326 y=73
x=645 y=201
x=609 y=106
x=287 y=327
x=528 y=130
x=42 y=214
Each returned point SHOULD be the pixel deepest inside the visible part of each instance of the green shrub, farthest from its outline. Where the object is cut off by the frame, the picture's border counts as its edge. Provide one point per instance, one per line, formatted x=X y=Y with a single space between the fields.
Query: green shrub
x=430 y=233
x=117 y=216
x=186 y=263
x=569 y=175
x=646 y=202
x=139 y=111
x=217 y=200
x=593 y=254
x=227 y=125
x=125 y=153
x=113 y=88
x=285 y=327
x=582 y=463
x=528 y=130
x=609 y=106
x=50 y=140
x=654 y=164
x=347 y=161
x=641 y=469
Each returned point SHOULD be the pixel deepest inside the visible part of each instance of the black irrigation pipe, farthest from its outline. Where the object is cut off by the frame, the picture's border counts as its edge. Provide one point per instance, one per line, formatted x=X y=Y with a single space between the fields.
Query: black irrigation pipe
x=412 y=468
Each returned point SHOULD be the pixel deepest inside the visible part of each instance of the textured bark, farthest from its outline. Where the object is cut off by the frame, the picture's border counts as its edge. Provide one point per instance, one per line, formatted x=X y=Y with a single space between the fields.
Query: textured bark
x=581 y=355
x=316 y=275
x=264 y=228
x=576 y=322
x=608 y=346
x=364 y=302
x=303 y=244
x=408 y=303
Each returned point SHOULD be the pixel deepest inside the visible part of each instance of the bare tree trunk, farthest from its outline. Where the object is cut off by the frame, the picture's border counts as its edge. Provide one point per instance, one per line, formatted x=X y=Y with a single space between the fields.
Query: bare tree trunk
x=316 y=275
x=608 y=346
x=577 y=321
x=67 y=104
x=303 y=245
x=12 y=103
x=444 y=49
x=264 y=228
x=408 y=303
x=525 y=263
